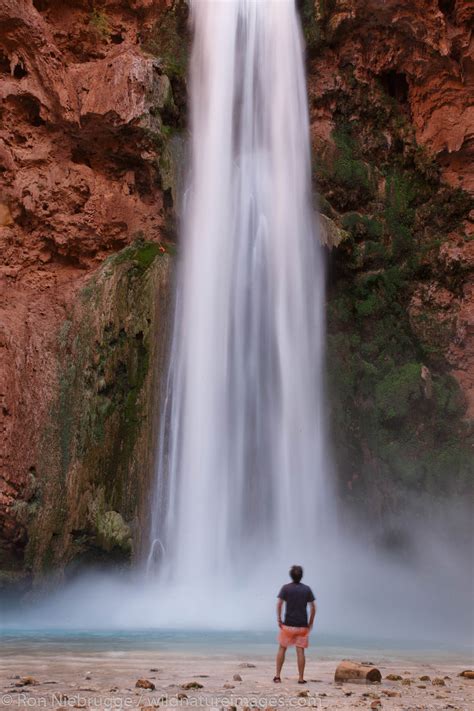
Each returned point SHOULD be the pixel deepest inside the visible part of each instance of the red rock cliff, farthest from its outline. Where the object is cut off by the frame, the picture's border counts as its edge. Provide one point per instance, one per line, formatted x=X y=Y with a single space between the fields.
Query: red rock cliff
x=88 y=93
x=83 y=107
x=392 y=121
x=422 y=54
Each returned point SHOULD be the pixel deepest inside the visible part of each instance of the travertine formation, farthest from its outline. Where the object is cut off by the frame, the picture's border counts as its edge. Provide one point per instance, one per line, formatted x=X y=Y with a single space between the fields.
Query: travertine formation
x=422 y=56
x=83 y=109
x=390 y=93
x=423 y=53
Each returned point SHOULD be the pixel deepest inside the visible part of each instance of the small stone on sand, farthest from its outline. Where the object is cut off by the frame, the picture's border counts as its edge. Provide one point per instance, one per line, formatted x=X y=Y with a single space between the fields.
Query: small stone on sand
x=145 y=684
x=27 y=681
x=237 y=677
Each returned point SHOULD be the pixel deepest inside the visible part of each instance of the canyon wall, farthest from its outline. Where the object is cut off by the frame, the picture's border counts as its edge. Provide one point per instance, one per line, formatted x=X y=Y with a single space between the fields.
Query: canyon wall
x=92 y=109
x=390 y=93
x=91 y=157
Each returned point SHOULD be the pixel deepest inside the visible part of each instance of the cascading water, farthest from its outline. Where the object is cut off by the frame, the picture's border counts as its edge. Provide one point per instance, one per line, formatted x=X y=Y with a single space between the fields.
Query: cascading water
x=242 y=486
x=241 y=470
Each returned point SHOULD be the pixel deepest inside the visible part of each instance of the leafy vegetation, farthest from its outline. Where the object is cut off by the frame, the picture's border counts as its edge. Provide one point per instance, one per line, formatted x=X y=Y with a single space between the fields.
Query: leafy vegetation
x=393 y=431
x=169 y=42
x=98 y=440
x=100 y=23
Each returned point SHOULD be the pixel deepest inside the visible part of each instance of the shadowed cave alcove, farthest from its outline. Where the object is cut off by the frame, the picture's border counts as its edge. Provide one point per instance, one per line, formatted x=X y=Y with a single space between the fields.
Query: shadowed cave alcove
x=396 y=85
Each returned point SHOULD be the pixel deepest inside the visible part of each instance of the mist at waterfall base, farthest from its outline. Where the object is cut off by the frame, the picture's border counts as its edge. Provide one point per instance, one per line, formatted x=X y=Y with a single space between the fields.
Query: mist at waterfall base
x=366 y=593
x=244 y=475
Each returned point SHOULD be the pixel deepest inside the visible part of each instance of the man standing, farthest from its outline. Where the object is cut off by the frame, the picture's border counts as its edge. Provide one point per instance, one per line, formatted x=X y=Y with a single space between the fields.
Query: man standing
x=295 y=630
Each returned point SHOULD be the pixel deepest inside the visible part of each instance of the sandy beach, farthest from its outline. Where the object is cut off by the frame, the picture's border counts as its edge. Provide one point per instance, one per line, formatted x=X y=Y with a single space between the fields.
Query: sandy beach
x=107 y=679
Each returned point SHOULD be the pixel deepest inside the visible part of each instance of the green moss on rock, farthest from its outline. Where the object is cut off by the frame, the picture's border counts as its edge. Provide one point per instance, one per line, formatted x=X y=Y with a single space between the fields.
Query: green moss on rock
x=169 y=41
x=343 y=174
x=397 y=392
x=142 y=254
x=97 y=449
x=393 y=433
x=311 y=12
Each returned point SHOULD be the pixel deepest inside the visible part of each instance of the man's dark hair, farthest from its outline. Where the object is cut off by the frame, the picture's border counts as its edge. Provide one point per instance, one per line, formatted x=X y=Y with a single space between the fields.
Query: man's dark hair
x=296 y=573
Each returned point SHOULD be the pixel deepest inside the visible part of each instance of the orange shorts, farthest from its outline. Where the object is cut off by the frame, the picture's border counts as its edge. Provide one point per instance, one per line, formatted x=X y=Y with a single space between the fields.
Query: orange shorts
x=290 y=636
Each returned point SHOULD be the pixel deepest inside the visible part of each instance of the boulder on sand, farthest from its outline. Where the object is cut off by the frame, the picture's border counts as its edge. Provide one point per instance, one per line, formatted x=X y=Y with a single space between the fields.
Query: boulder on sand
x=27 y=681
x=354 y=671
x=145 y=684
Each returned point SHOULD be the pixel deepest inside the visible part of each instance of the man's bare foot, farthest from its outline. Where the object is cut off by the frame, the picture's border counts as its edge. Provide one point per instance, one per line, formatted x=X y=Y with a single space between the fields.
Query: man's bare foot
x=277 y=680
x=302 y=681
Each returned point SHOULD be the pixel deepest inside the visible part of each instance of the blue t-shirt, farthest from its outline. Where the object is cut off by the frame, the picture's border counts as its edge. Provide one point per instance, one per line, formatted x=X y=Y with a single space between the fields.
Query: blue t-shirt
x=296 y=597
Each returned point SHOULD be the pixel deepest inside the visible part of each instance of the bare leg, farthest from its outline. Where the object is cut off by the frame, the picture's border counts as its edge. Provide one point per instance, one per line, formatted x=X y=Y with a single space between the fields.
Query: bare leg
x=280 y=659
x=301 y=662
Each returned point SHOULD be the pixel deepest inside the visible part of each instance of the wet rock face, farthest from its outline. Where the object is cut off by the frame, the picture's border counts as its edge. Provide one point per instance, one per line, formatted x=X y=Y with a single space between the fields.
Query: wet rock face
x=421 y=53
x=392 y=132
x=89 y=99
x=89 y=489
x=99 y=443
x=83 y=109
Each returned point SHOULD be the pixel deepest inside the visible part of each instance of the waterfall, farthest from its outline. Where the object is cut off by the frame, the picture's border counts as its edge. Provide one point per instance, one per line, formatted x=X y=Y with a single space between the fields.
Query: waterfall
x=241 y=474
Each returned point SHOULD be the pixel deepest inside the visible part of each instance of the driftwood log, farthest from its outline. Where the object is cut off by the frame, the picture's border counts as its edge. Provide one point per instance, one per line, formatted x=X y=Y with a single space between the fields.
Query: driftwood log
x=354 y=671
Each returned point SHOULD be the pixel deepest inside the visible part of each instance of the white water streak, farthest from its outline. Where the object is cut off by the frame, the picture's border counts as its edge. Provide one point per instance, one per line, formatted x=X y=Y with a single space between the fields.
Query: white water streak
x=241 y=474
